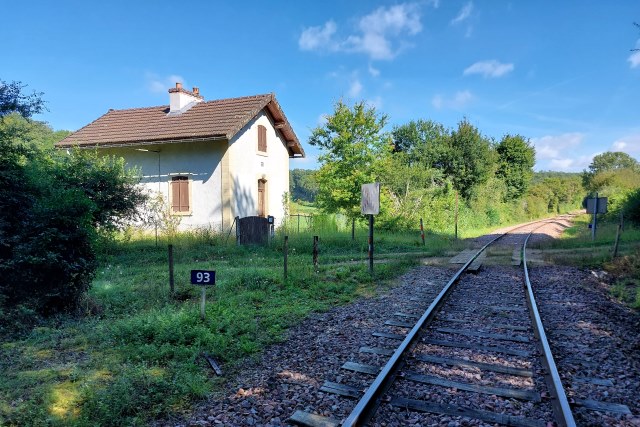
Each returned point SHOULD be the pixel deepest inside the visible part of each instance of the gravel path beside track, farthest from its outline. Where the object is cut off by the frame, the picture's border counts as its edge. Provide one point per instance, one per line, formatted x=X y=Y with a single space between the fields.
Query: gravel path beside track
x=289 y=375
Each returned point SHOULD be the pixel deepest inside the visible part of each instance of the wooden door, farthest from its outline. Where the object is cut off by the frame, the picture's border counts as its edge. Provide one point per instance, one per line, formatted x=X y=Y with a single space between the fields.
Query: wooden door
x=261 y=198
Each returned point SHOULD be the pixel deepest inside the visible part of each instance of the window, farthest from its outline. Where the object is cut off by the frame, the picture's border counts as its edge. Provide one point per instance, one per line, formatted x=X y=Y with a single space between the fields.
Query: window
x=180 y=203
x=262 y=138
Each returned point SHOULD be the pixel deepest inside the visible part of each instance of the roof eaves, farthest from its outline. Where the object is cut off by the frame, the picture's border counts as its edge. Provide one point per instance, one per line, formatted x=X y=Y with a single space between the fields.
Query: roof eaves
x=145 y=142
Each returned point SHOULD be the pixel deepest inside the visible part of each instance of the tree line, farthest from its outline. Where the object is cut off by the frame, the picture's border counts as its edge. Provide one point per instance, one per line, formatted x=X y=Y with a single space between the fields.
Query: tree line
x=424 y=168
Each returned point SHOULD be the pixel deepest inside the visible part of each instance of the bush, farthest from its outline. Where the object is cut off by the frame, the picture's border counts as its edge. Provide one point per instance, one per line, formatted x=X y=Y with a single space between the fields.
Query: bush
x=50 y=225
x=631 y=207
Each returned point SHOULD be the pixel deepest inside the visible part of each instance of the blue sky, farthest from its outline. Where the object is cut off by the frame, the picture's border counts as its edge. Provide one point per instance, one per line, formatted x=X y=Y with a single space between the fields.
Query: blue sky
x=560 y=73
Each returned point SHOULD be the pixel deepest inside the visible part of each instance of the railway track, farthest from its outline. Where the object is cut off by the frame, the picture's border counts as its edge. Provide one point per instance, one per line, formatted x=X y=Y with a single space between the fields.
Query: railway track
x=474 y=348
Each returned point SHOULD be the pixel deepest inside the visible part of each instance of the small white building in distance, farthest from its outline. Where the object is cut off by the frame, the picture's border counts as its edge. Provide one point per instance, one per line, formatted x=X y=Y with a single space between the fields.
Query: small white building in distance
x=212 y=160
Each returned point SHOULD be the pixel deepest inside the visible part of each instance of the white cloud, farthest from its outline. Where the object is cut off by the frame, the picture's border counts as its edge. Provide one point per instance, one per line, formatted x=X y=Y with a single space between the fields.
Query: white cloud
x=490 y=68
x=378 y=34
x=157 y=84
x=634 y=58
x=464 y=13
x=552 y=147
x=321 y=37
x=355 y=89
x=629 y=144
x=375 y=103
x=457 y=101
x=571 y=164
x=373 y=71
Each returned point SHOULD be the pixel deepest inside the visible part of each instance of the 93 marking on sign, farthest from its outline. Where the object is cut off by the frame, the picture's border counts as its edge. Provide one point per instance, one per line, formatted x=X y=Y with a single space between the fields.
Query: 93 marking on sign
x=203 y=277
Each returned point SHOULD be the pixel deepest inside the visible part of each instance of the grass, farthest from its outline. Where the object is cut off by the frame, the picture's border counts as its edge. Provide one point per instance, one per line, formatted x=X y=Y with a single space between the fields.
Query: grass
x=576 y=247
x=134 y=354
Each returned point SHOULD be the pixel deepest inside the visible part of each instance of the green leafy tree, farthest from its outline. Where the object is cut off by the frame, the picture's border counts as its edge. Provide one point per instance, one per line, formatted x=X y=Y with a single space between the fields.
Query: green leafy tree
x=466 y=157
x=351 y=141
x=420 y=140
x=607 y=162
x=303 y=184
x=516 y=158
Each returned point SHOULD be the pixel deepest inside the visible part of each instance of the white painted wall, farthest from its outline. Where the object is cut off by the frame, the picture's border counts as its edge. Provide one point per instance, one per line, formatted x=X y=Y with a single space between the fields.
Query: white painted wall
x=200 y=161
x=248 y=165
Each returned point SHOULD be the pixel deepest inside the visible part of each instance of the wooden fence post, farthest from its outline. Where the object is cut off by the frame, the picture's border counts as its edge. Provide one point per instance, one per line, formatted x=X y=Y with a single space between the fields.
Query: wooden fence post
x=171 y=283
x=422 y=231
x=315 y=252
x=285 y=253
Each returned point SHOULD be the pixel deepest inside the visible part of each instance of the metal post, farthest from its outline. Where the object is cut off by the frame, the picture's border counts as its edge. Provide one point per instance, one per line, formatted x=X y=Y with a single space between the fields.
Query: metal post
x=203 y=301
x=595 y=214
x=171 y=268
x=422 y=231
x=456 y=217
x=285 y=253
x=298 y=223
x=371 y=244
x=315 y=252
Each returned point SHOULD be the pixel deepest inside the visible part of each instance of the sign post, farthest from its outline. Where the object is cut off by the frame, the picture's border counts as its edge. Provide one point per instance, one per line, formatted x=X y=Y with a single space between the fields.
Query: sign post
x=370 y=205
x=203 y=278
x=595 y=206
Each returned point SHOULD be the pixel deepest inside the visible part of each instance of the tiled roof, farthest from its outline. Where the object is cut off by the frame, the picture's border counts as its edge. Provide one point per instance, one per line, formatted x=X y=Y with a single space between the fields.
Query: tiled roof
x=221 y=119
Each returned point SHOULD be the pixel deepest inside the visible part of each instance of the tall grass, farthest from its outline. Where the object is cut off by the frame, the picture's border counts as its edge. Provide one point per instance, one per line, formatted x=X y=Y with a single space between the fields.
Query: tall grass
x=134 y=354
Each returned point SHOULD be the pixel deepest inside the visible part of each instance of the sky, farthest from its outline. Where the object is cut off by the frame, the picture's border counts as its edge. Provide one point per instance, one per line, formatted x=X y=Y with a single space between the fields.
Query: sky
x=560 y=73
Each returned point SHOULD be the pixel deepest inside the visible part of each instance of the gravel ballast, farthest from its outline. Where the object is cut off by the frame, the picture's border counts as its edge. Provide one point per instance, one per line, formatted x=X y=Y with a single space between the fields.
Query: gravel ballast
x=591 y=335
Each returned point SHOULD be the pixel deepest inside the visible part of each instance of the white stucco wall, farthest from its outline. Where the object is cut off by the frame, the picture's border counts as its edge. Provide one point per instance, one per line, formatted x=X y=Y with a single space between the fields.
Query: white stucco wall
x=248 y=165
x=200 y=161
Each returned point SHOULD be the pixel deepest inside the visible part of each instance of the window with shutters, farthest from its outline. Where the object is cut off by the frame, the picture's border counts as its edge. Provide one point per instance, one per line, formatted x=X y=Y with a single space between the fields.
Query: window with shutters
x=180 y=195
x=262 y=139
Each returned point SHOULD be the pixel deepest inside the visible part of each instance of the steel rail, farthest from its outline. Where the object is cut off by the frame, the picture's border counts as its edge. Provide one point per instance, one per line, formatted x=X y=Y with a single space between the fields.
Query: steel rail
x=364 y=408
x=559 y=402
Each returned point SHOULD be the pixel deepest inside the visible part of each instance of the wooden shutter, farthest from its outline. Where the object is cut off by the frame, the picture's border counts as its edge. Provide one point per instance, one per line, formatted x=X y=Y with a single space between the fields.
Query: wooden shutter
x=180 y=194
x=262 y=138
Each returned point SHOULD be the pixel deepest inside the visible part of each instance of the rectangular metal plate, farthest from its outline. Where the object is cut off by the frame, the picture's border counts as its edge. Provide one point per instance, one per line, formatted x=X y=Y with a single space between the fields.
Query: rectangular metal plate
x=203 y=277
x=370 y=203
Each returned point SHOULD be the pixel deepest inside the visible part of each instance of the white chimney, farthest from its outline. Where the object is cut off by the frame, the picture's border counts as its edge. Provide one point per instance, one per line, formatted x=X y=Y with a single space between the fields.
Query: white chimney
x=180 y=100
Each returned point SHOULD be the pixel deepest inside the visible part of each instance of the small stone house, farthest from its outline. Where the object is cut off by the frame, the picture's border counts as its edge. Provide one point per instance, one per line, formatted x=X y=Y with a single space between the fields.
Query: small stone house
x=212 y=160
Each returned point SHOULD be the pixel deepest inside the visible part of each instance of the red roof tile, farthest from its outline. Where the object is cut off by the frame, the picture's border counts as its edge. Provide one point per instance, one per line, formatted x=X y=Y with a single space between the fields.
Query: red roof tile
x=219 y=119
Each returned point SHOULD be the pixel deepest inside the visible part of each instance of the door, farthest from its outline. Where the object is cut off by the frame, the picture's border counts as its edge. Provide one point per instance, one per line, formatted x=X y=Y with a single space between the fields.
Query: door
x=262 y=198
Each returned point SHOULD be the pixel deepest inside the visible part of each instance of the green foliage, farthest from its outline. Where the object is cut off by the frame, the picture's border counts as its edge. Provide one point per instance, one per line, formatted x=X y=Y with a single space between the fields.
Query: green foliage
x=352 y=141
x=52 y=205
x=303 y=185
x=156 y=214
x=554 y=193
x=631 y=207
x=607 y=162
x=516 y=158
x=106 y=182
x=421 y=140
x=467 y=159
x=135 y=356
x=13 y=100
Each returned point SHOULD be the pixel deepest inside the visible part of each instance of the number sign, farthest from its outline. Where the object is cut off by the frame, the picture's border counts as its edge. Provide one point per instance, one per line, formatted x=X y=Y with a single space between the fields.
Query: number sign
x=203 y=277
